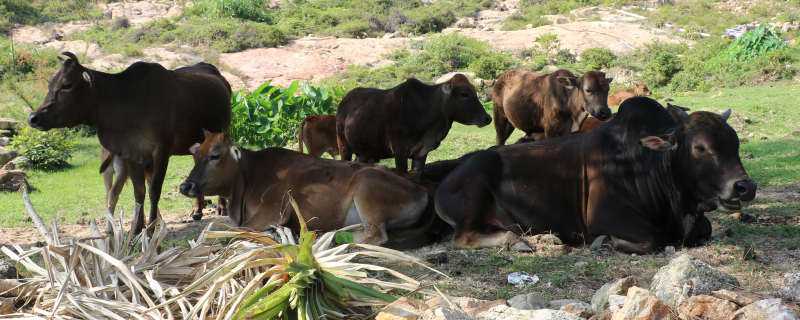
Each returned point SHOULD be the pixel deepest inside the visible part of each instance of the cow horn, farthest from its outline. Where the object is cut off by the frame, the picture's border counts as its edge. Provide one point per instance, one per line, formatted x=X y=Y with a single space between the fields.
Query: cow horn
x=70 y=56
x=725 y=115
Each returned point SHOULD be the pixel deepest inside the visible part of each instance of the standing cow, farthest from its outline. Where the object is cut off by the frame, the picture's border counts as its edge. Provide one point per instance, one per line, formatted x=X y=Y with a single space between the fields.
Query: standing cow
x=547 y=105
x=318 y=133
x=626 y=179
x=143 y=115
x=407 y=121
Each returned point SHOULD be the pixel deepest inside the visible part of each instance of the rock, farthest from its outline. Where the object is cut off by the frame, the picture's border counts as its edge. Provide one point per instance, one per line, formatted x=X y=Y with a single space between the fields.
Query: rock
x=6 y=156
x=578 y=308
x=598 y=242
x=791 y=286
x=619 y=286
x=11 y=180
x=742 y=217
x=528 y=301
x=544 y=239
x=401 y=309
x=8 y=124
x=4 y=141
x=669 y=250
x=685 y=276
x=21 y=162
x=510 y=313
x=739 y=298
x=7 y=306
x=7 y=270
x=470 y=306
x=605 y=315
x=767 y=309
x=521 y=247
x=445 y=313
x=616 y=302
x=6 y=133
x=706 y=307
x=640 y=304
x=557 y=304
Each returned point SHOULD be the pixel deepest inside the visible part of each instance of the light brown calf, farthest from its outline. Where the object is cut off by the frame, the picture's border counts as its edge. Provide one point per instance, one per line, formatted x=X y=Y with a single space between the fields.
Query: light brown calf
x=639 y=89
x=318 y=133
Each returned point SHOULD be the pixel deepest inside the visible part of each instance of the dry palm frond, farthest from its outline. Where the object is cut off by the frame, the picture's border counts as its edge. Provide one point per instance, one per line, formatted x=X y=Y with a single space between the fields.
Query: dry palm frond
x=112 y=275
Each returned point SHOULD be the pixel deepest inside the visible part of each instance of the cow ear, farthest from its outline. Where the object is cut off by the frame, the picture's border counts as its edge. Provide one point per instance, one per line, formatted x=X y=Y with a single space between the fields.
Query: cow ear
x=678 y=113
x=236 y=153
x=725 y=115
x=656 y=143
x=568 y=82
x=206 y=134
x=87 y=77
x=447 y=89
x=194 y=148
x=608 y=80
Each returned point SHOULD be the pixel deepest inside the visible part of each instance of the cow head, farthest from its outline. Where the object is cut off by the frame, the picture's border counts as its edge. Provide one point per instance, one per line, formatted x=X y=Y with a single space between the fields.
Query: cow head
x=588 y=93
x=461 y=103
x=708 y=159
x=215 y=165
x=69 y=99
x=641 y=89
x=646 y=121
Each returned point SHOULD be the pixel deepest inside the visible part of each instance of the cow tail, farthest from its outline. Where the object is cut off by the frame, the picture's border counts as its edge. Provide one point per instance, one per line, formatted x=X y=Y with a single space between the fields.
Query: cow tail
x=300 y=136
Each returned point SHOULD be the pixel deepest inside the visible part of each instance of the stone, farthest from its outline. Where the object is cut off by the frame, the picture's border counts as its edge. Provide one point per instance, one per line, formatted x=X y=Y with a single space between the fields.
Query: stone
x=470 y=306
x=12 y=180
x=619 y=286
x=791 y=287
x=616 y=302
x=6 y=133
x=4 y=141
x=767 y=309
x=7 y=306
x=740 y=298
x=579 y=308
x=598 y=242
x=557 y=304
x=445 y=313
x=684 y=277
x=528 y=301
x=401 y=309
x=605 y=315
x=7 y=270
x=706 y=307
x=6 y=156
x=510 y=313
x=640 y=304
x=8 y=124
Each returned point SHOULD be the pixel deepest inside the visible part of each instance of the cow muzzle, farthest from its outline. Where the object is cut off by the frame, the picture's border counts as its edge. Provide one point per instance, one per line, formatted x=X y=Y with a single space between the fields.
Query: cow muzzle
x=743 y=191
x=483 y=121
x=189 y=189
x=602 y=113
x=35 y=121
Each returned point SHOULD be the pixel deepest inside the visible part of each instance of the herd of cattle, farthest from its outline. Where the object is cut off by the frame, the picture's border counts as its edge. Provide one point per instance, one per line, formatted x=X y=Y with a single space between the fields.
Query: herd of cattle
x=643 y=177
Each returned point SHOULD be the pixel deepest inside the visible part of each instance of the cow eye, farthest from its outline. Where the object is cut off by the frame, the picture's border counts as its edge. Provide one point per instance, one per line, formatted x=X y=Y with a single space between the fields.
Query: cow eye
x=66 y=86
x=700 y=149
x=213 y=157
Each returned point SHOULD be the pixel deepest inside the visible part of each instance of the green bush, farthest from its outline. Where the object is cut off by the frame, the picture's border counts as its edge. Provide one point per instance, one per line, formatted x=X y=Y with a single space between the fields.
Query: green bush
x=253 y=10
x=39 y=11
x=25 y=60
x=444 y=53
x=269 y=116
x=660 y=70
x=754 y=43
x=46 y=150
x=597 y=58
x=491 y=65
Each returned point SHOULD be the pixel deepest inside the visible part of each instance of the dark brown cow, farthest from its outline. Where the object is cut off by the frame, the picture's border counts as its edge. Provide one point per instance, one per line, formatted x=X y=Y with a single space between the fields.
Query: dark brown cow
x=546 y=105
x=143 y=115
x=638 y=90
x=318 y=133
x=407 y=121
x=625 y=179
x=331 y=194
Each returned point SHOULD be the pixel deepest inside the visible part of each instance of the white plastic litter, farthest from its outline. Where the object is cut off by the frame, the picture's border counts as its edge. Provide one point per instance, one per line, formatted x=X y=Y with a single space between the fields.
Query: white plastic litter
x=520 y=279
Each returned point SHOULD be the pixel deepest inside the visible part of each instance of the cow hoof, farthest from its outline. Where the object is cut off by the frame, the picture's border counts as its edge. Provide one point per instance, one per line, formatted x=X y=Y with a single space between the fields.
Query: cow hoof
x=197 y=216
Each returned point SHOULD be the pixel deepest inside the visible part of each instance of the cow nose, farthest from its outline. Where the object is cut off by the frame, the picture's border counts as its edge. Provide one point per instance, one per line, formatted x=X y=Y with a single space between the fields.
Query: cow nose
x=745 y=189
x=188 y=188
x=604 y=114
x=486 y=120
x=33 y=119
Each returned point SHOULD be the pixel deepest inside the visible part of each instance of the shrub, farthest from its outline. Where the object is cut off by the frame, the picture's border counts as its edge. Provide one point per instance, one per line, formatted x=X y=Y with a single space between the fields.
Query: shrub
x=754 y=43
x=444 y=53
x=491 y=65
x=660 y=70
x=24 y=60
x=46 y=150
x=253 y=10
x=269 y=116
x=597 y=58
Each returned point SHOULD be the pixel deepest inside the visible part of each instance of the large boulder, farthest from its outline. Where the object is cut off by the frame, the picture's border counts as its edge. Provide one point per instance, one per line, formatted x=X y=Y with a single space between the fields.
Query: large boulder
x=8 y=124
x=767 y=309
x=684 y=277
x=619 y=287
x=738 y=297
x=706 y=307
x=640 y=304
x=791 y=287
x=528 y=301
x=509 y=313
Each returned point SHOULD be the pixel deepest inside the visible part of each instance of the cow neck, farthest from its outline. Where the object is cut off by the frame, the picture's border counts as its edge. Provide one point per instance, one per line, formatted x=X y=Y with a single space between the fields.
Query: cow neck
x=103 y=85
x=433 y=109
x=680 y=158
x=576 y=105
x=238 y=192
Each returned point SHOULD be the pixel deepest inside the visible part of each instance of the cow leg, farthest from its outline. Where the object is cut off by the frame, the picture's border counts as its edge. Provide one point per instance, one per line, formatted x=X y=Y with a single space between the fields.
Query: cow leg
x=222 y=206
x=120 y=173
x=160 y=163
x=418 y=166
x=401 y=164
x=200 y=203
x=626 y=246
x=502 y=127
x=486 y=240
x=137 y=179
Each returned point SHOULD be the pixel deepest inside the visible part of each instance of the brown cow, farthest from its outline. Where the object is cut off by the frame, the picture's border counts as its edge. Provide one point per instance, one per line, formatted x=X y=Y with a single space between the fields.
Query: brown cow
x=331 y=194
x=638 y=90
x=143 y=115
x=318 y=133
x=624 y=179
x=407 y=121
x=546 y=105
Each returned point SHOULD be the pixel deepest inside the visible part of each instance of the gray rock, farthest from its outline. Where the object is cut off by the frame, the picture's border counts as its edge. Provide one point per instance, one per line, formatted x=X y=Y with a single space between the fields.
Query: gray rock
x=767 y=309
x=641 y=304
x=616 y=302
x=445 y=313
x=7 y=270
x=509 y=313
x=4 y=141
x=791 y=286
x=556 y=304
x=578 y=308
x=6 y=156
x=528 y=301
x=618 y=287
x=6 y=133
x=598 y=242
x=684 y=277
x=8 y=124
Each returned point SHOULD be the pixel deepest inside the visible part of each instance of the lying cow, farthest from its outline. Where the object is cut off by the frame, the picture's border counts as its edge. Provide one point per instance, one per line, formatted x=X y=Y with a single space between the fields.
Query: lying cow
x=318 y=133
x=407 y=121
x=638 y=90
x=330 y=194
x=625 y=179
x=143 y=115
x=547 y=105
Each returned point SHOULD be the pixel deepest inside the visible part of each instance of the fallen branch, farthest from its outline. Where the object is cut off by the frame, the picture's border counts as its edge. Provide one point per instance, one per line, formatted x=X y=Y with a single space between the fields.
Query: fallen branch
x=37 y=220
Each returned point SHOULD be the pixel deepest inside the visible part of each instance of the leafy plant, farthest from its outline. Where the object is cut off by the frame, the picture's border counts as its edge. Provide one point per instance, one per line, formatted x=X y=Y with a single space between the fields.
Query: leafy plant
x=269 y=116
x=597 y=58
x=754 y=43
x=46 y=150
x=491 y=65
x=660 y=70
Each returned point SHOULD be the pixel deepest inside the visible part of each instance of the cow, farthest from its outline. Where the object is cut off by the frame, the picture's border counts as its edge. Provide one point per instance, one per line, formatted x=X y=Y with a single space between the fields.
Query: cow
x=644 y=178
x=318 y=133
x=330 y=194
x=143 y=115
x=407 y=121
x=547 y=105
x=638 y=90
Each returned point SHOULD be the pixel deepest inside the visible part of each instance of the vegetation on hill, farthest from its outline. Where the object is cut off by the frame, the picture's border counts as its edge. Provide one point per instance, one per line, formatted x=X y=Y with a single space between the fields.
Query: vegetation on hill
x=39 y=11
